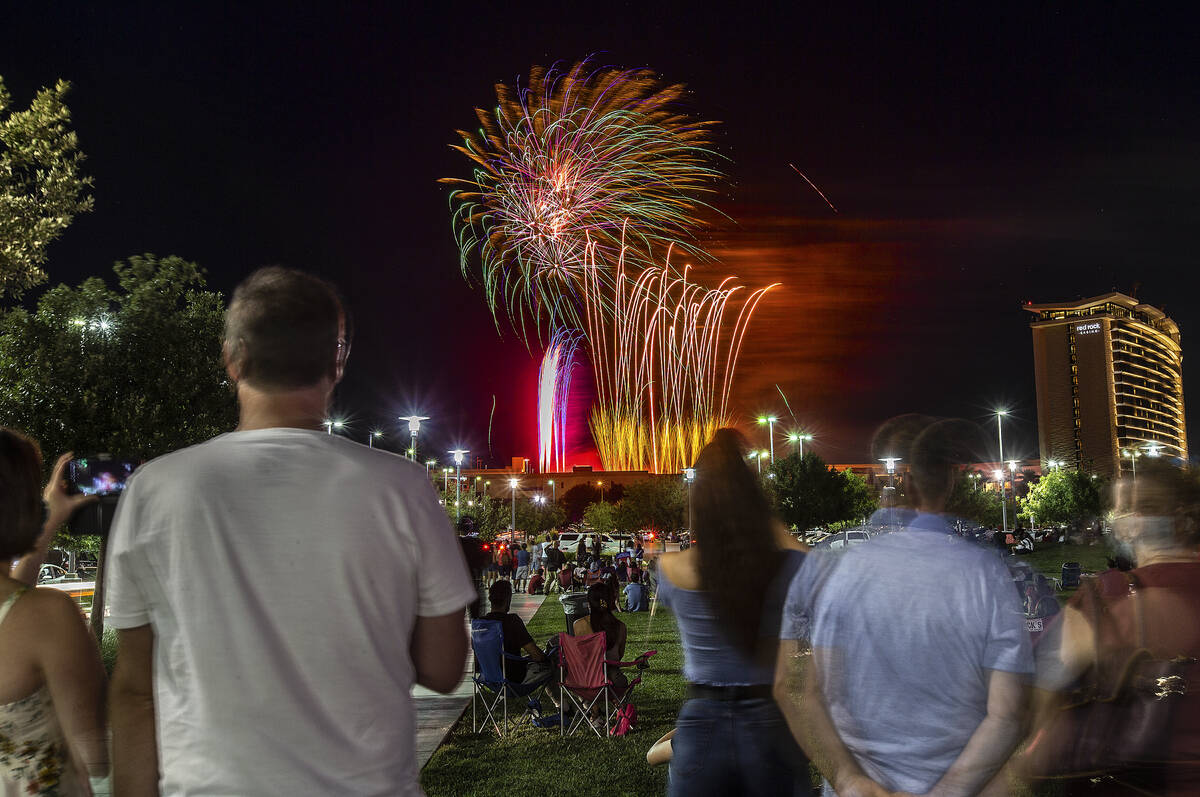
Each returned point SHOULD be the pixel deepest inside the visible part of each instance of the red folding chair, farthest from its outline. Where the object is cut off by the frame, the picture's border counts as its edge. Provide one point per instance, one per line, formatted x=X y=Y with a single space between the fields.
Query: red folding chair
x=585 y=684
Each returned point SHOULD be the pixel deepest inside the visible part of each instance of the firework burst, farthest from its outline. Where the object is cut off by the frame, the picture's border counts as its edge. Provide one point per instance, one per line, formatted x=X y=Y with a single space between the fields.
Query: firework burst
x=560 y=165
x=554 y=392
x=664 y=363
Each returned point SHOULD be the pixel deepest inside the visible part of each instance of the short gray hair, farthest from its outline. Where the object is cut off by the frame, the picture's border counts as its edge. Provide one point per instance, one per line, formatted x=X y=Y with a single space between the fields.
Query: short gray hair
x=286 y=329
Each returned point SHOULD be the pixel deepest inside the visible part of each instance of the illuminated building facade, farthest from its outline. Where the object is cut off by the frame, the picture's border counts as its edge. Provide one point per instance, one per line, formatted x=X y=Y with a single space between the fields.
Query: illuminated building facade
x=1109 y=377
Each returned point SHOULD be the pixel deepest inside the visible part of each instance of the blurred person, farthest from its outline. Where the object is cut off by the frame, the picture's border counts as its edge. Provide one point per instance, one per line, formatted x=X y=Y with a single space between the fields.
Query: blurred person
x=52 y=734
x=554 y=558
x=565 y=578
x=272 y=615
x=726 y=593
x=635 y=595
x=1157 y=529
x=581 y=551
x=917 y=682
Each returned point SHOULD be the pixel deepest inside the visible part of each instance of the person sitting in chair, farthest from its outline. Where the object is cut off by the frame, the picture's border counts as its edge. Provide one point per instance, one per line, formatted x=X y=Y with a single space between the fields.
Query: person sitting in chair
x=517 y=639
x=600 y=604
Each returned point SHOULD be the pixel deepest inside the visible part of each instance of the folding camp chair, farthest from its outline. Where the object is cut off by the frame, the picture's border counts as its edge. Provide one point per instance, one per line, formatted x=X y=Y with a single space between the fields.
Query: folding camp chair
x=491 y=686
x=584 y=682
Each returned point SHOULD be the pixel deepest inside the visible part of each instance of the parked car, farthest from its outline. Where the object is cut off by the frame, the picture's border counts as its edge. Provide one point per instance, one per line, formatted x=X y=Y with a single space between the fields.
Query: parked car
x=51 y=574
x=840 y=540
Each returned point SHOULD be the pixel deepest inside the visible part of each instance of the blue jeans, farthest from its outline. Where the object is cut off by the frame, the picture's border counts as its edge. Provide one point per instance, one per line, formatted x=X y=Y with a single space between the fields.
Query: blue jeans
x=735 y=747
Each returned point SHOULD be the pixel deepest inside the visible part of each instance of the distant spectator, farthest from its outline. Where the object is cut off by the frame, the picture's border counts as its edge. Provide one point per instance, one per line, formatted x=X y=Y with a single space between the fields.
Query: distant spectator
x=581 y=552
x=601 y=618
x=565 y=578
x=522 y=560
x=517 y=640
x=536 y=582
x=635 y=595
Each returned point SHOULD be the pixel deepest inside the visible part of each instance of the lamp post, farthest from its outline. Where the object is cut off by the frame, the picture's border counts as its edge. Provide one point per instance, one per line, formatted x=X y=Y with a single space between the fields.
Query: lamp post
x=1003 y=495
x=757 y=457
x=890 y=464
x=445 y=480
x=770 y=420
x=1012 y=479
x=331 y=425
x=429 y=463
x=553 y=492
x=1133 y=455
x=371 y=438
x=414 y=426
x=689 y=476
x=601 y=486
x=513 y=524
x=458 y=454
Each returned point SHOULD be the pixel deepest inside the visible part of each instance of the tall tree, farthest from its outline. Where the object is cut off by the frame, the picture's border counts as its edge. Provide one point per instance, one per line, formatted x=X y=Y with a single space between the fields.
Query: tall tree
x=1062 y=496
x=601 y=516
x=808 y=493
x=970 y=501
x=656 y=504
x=135 y=371
x=42 y=187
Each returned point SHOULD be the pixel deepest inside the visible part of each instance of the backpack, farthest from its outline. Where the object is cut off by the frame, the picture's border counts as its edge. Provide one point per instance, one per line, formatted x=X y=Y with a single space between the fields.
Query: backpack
x=626 y=720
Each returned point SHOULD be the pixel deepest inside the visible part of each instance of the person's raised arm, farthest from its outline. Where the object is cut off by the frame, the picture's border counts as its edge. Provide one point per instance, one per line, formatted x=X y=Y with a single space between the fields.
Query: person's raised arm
x=75 y=677
x=59 y=507
x=131 y=706
x=439 y=651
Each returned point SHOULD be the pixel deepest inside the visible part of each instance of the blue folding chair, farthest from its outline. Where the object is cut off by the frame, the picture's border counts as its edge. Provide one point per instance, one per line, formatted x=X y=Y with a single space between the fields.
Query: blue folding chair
x=491 y=686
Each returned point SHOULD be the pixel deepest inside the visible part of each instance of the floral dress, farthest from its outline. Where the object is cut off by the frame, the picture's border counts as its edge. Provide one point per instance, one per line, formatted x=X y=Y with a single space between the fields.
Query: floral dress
x=34 y=759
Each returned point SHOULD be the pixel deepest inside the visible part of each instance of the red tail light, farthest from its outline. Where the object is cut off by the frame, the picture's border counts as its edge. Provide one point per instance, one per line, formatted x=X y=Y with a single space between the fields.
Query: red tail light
x=486 y=547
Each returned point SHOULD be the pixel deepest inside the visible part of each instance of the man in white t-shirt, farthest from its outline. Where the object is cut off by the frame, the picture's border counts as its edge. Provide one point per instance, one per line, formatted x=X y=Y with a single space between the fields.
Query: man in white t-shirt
x=273 y=617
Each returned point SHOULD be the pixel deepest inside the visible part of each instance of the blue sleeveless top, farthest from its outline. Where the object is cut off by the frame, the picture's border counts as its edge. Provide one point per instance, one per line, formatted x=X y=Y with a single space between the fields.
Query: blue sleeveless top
x=708 y=658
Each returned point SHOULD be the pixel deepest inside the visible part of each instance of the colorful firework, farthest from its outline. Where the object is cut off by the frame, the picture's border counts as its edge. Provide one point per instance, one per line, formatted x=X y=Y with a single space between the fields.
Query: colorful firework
x=561 y=165
x=554 y=391
x=664 y=363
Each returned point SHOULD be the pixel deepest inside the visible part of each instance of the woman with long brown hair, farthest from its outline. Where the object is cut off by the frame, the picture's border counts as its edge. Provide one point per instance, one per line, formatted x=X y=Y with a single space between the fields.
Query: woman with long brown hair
x=727 y=592
x=51 y=680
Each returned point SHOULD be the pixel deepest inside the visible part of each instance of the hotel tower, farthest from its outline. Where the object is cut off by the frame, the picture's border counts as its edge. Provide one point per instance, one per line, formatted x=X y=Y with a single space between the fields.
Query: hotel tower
x=1109 y=384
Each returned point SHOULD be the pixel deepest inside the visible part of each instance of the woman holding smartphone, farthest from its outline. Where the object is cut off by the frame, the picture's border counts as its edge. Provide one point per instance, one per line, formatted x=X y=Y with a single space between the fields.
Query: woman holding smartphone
x=52 y=736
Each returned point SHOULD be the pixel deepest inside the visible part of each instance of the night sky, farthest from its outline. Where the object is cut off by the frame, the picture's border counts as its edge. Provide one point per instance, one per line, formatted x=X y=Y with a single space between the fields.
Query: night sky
x=977 y=160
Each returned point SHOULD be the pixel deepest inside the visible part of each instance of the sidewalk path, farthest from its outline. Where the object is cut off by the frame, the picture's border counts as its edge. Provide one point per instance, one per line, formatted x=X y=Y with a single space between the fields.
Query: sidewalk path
x=436 y=714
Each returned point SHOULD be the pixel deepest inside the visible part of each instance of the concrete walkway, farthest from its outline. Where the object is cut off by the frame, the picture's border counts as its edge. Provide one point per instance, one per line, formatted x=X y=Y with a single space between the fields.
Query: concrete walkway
x=436 y=714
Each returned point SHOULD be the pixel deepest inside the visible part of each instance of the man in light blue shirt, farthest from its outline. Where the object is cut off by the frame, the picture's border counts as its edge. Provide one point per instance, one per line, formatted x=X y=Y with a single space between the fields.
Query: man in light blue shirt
x=920 y=654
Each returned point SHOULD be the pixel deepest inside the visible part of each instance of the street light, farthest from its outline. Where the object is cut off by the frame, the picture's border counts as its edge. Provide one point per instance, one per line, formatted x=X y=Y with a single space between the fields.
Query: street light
x=757 y=457
x=689 y=476
x=1012 y=469
x=890 y=464
x=601 y=486
x=371 y=438
x=458 y=454
x=414 y=426
x=800 y=438
x=330 y=425
x=445 y=480
x=1133 y=455
x=513 y=525
x=770 y=421
x=553 y=492
x=429 y=463
x=1003 y=494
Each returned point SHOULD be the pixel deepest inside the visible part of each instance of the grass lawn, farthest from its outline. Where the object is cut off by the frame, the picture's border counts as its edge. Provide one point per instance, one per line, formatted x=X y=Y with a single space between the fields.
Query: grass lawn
x=1048 y=559
x=537 y=761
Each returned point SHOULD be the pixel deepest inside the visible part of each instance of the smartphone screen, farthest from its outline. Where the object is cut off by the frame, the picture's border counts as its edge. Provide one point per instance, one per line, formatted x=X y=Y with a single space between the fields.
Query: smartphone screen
x=100 y=476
